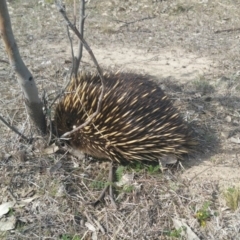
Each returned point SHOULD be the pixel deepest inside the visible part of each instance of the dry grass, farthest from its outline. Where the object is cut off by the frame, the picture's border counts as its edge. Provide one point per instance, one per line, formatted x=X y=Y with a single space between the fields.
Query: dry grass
x=204 y=195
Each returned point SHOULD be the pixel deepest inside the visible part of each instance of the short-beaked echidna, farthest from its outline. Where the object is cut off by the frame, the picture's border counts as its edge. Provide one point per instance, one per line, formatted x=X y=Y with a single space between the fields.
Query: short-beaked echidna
x=136 y=122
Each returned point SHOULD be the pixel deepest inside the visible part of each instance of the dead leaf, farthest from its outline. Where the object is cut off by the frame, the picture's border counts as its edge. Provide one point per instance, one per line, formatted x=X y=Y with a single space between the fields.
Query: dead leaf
x=26 y=201
x=94 y=236
x=4 y=208
x=90 y=227
x=235 y=140
x=51 y=149
x=7 y=223
x=125 y=180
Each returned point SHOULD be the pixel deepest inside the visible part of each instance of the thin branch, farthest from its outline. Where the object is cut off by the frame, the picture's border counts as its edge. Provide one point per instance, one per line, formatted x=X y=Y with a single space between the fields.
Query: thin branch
x=107 y=187
x=4 y=61
x=75 y=60
x=132 y=22
x=72 y=52
x=14 y=129
x=49 y=108
x=81 y=30
x=86 y=46
x=60 y=93
x=227 y=30
x=74 y=13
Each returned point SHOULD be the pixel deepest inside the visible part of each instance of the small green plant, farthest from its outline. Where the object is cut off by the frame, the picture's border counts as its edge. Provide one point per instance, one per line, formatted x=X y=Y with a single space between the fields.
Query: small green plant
x=141 y=167
x=203 y=86
x=10 y=212
x=180 y=9
x=53 y=191
x=3 y=235
x=128 y=188
x=176 y=233
x=119 y=172
x=76 y=238
x=98 y=185
x=49 y=1
x=153 y=169
x=136 y=166
x=232 y=198
x=203 y=214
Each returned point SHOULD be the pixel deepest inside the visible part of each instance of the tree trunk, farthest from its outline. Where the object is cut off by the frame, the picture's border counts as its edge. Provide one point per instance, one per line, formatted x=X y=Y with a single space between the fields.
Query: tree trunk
x=25 y=79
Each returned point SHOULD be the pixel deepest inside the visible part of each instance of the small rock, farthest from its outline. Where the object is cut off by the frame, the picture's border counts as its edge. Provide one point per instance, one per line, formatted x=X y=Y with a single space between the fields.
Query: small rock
x=228 y=119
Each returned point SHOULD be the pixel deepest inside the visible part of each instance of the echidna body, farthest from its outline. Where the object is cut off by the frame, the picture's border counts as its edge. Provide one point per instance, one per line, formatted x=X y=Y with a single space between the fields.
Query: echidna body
x=137 y=121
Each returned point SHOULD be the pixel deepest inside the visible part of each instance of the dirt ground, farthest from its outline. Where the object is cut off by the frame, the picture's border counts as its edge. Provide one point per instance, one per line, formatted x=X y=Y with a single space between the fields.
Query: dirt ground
x=192 y=49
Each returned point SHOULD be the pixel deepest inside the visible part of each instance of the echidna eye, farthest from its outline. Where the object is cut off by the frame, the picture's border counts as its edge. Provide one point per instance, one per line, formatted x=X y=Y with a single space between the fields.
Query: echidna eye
x=68 y=123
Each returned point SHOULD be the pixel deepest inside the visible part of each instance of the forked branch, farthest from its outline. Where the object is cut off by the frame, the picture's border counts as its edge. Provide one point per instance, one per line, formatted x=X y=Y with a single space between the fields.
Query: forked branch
x=99 y=70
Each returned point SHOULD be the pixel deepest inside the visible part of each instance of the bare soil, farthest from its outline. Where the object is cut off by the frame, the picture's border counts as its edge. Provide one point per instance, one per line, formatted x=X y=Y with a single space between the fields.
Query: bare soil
x=192 y=49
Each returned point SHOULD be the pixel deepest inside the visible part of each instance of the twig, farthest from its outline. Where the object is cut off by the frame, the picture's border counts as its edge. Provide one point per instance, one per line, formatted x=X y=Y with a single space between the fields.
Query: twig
x=227 y=30
x=61 y=93
x=110 y=178
x=86 y=46
x=107 y=187
x=51 y=129
x=76 y=60
x=199 y=174
x=14 y=129
x=48 y=110
x=11 y=194
x=101 y=196
x=4 y=61
x=81 y=30
x=72 y=52
x=88 y=217
x=47 y=113
x=138 y=20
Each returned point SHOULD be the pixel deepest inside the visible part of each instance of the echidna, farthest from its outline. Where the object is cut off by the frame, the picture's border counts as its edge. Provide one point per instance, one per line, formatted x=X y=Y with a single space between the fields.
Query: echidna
x=137 y=121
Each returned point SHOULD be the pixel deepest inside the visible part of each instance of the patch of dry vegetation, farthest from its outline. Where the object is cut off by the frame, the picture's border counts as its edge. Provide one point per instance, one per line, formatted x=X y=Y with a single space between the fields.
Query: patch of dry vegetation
x=204 y=195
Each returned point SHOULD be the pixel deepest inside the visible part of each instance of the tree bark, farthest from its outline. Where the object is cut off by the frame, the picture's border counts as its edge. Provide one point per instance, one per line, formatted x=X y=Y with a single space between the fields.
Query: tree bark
x=25 y=79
